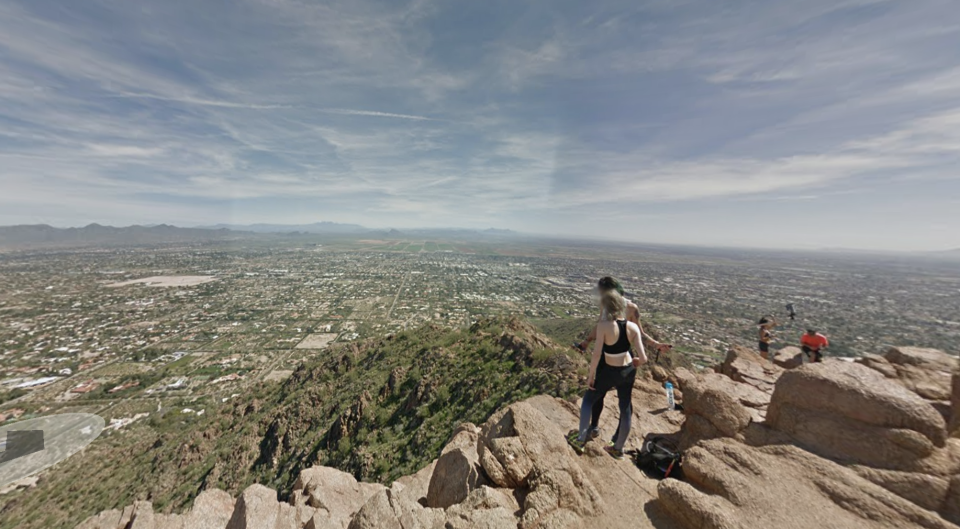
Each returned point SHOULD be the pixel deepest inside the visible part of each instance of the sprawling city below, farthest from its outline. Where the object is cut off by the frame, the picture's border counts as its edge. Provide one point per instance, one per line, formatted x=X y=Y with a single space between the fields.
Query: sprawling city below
x=113 y=331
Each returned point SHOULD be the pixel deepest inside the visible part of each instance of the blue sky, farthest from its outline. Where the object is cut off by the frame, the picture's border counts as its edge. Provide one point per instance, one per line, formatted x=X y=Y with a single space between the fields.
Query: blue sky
x=803 y=124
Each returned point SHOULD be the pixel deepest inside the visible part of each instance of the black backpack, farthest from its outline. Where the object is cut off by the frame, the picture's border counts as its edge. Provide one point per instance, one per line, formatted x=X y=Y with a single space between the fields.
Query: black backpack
x=660 y=458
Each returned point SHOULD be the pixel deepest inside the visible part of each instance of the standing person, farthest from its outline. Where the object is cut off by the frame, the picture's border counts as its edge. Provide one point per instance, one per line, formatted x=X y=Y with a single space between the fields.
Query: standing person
x=812 y=343
x=607 y=284
x=604 y=285
x=611 y=367
x=767 y=323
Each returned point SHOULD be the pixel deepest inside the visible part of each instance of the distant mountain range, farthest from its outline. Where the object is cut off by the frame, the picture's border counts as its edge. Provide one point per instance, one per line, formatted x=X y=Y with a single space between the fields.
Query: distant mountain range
x=43 y=235
x=32 y=235
x=316 y=227
x=336 y=228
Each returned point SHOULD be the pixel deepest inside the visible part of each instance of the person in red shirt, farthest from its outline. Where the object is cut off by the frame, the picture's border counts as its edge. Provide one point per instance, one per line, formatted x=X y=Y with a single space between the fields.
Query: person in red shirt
x=812 y=343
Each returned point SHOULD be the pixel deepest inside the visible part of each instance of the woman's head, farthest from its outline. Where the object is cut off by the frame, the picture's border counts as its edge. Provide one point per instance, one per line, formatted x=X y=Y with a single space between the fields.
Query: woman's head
x=607 y=283
x=613 y=305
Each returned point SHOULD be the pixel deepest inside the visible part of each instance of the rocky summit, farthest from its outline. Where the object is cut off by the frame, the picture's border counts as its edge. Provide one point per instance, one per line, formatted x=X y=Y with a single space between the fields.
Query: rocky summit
x=865 y=444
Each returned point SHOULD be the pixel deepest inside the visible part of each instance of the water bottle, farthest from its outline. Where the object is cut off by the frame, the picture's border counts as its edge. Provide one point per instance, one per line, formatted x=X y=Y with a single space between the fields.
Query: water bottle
x=671 y=405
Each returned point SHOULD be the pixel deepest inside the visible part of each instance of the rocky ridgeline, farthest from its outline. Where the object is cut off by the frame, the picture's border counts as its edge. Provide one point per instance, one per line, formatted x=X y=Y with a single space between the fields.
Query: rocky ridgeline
x=868 y=444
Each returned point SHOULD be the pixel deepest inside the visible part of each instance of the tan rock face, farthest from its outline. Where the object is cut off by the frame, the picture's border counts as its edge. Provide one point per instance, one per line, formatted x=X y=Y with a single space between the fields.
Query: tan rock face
x=955 y=405
x=926 y=372
x=788 y=358
x=731 y=485
x=931 y=359
x=335 y=494
x=457 y=470
x=211 y=510
x=520 y=447
x=748 y=367
x=831 y=393
x=924 y=490
x=256 y=507
x=388 y=509
x=713 y=407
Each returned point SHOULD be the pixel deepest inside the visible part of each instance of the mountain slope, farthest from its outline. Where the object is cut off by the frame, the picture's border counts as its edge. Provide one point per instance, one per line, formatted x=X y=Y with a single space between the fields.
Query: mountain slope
x=378 y=409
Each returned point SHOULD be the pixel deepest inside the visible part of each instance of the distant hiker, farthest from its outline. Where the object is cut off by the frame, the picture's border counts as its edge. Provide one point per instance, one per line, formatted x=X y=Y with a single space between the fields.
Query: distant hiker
x=604 y=285
x=767 y=323
x=812 y=343
x=611 y=367
x=793 y=313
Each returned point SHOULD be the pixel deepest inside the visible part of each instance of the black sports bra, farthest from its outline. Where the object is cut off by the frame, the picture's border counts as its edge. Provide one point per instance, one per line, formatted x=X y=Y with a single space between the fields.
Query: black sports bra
x=622 y=344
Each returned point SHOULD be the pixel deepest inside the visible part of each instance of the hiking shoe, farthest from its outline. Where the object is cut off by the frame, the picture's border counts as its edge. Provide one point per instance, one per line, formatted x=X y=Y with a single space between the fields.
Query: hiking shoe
x=593 y=433
x=573 y=439
x=614 y=453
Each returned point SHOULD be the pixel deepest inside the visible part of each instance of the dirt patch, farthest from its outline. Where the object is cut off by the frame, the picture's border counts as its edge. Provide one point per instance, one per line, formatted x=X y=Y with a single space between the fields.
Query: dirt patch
x=280 y=374
x=166 y=281
x=317 y=340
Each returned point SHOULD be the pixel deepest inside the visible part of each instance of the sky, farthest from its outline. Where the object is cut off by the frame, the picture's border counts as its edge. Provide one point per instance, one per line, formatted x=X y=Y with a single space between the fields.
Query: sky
x=813 y=124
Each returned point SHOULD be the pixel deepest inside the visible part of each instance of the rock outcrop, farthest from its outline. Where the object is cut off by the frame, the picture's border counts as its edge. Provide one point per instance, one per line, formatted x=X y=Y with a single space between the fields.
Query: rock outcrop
x=457 y=470
x=212 y=509
x=713 y=405
x=747 y=367
x=835 y=444
x=335 y=496
x=789 y=357
x=848 y=412
x=926 y=372
x=731 y=485
x=522 y=449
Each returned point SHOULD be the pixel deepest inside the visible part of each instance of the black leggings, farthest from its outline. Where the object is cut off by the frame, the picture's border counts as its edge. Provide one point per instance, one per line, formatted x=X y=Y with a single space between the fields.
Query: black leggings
x=608 y=377
x=813 y=354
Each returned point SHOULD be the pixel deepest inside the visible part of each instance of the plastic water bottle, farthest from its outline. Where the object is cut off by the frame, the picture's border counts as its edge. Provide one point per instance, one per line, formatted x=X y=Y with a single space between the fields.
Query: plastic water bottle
x=671 y=404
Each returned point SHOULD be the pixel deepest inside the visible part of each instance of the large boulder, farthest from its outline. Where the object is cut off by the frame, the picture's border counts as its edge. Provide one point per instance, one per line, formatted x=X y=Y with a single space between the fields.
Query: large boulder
x=931 y=359
x=879 y=364
x=748 y=367
x=458 y=470
x=713 y=405
x=416 y=486
x=926 y=372
x=335 y=495
x=730 y=485
x=257 y=507
x=789 y=357
x=389 y=509
x=846 y=411
x=211 y=510
x=520 y=448
x=485 y=508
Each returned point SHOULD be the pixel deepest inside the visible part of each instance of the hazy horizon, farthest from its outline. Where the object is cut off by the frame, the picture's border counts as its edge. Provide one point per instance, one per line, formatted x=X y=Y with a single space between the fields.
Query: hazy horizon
x=824 y=124
x=544 y=237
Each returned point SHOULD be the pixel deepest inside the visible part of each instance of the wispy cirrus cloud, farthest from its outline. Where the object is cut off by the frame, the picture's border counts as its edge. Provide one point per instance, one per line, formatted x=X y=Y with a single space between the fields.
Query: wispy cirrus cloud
x=543 y=116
